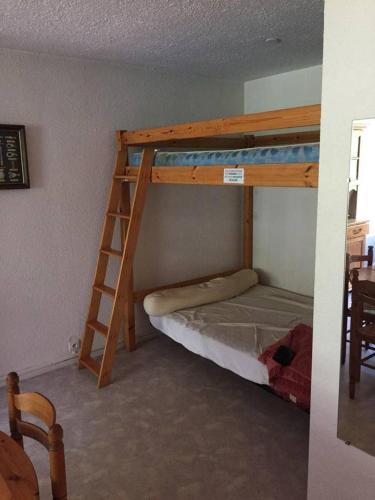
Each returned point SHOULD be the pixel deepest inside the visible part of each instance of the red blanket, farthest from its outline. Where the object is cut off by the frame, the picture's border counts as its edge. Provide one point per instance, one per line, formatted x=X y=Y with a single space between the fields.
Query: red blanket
x=292 y=382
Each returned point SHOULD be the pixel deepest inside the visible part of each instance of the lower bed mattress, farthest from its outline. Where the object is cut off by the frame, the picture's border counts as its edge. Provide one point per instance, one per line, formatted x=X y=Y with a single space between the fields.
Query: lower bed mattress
x=235 y=332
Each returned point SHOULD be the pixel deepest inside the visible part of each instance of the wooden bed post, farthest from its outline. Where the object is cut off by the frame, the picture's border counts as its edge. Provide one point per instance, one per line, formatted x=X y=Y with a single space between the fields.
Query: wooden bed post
x=129 y=317
x=247 y=230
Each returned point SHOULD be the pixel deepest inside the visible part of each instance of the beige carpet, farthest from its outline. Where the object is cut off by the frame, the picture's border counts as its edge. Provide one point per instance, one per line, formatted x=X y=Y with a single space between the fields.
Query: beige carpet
x=172 y=426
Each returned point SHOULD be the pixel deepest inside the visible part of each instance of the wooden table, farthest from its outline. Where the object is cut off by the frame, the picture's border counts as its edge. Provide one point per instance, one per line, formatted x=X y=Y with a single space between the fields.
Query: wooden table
x=18 y=480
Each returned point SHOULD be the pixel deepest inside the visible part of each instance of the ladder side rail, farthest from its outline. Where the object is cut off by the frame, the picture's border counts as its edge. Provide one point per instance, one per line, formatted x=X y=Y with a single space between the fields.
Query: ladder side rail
x=128 y=309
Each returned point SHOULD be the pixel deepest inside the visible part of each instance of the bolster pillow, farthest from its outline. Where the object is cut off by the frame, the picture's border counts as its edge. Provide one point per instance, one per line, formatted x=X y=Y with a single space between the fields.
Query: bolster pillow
x=223 y=288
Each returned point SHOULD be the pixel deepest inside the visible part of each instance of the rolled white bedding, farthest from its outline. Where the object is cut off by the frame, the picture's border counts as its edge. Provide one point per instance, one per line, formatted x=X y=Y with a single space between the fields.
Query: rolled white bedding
x=222 y=288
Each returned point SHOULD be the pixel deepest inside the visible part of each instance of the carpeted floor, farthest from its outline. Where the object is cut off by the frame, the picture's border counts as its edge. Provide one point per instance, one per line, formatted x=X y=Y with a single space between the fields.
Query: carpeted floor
x=172 y=426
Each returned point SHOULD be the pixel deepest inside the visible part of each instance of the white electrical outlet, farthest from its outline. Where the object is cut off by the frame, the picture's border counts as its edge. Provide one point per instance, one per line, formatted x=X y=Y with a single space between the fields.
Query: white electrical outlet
x=74 y=344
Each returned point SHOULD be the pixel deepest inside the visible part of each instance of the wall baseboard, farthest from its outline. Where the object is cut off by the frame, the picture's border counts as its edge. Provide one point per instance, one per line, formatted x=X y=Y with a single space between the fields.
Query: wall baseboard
x=41 y=370
x=73 y=360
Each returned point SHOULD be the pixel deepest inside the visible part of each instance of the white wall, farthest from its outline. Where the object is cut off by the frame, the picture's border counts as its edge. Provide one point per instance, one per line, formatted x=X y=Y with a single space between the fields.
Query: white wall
x=50 y=234
x=337 y=471
x=285 y=219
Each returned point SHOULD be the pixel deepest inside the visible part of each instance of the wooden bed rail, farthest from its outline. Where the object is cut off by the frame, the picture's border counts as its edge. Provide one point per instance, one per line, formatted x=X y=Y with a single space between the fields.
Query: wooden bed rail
x=246 y=141
x=303 y=175
x=305 y=116
x=284 y=139
x=140 y=295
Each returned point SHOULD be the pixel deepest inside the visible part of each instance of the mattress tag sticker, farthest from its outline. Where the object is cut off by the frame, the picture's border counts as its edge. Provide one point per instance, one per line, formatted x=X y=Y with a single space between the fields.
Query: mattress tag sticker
x=292 y=398
x=234 y=175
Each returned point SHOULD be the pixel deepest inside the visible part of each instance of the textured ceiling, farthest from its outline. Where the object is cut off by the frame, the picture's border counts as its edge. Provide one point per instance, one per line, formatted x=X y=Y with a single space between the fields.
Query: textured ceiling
x=216 y=38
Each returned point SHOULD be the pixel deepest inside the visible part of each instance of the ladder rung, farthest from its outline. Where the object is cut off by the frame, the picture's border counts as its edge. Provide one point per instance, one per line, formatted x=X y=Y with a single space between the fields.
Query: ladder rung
x=126 y=178
x=111 y=251
x=118 y=214
x=98 y=327
x=105 y=289
x=91 y=364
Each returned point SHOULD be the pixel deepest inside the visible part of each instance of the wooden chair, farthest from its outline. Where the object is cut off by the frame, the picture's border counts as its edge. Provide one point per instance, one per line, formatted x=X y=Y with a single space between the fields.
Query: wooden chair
x=362 y=327
x=39 y=406
x=346 y=311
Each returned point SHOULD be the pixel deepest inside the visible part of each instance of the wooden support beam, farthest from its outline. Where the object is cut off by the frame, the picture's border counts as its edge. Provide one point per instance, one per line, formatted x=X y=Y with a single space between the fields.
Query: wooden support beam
x=141 y=294
x=203 y=143
x=257 y=122
x=246 y=141
x=265 y=175
x=247 y=227
x=292 y=138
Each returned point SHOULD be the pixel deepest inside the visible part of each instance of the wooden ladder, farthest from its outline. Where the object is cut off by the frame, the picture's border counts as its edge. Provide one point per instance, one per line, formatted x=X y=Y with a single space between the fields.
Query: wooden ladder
x=129 y=213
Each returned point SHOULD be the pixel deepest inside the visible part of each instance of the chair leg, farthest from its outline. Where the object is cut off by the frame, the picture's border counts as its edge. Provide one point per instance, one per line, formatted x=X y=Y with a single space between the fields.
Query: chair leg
x=358 y=355
x=353 y=364
x=57 y=462
x=14 y=414
x=352 y=388
x=343 y=339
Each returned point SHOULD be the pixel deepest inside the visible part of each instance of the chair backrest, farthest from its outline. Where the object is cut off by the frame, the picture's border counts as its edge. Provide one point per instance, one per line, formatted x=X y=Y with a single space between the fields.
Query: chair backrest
x=350 y=259
x=40 y=407
x=363 y=294
x=369 y=258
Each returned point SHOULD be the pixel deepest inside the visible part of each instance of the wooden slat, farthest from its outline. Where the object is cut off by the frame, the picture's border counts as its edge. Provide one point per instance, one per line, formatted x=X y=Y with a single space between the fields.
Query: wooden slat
x=105 y=289
x=112 y=252
x=98 y=327
x=91 y=364
x=265 y=175
x=119 y=215
x=36 y=404
x=34 y=432
x=141 y=294
x=256 y=122
x=126 y=178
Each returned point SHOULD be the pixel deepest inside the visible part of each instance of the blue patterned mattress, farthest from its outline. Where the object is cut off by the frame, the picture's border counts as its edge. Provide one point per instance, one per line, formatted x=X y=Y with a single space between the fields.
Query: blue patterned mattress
x=300 y=153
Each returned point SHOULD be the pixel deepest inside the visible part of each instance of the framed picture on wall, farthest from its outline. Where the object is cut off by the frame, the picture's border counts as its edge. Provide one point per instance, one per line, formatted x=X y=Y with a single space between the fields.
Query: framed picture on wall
x=14 y=172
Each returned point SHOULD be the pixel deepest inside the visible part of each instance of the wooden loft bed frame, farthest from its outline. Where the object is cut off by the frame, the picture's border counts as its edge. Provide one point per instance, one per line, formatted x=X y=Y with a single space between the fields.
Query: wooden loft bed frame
x=199 y=135
x=196 y=135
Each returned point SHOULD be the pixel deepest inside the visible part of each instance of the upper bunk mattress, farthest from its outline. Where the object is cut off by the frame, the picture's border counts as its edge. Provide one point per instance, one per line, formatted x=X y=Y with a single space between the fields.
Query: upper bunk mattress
x=301 y=153
x=233 y=333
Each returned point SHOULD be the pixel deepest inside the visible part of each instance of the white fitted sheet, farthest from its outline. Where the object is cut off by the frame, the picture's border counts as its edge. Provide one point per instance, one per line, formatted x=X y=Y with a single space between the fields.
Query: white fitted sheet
x=233 y=333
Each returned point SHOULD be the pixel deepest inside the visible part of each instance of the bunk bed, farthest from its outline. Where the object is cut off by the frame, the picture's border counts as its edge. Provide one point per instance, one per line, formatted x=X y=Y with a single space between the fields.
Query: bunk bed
x=237 y=151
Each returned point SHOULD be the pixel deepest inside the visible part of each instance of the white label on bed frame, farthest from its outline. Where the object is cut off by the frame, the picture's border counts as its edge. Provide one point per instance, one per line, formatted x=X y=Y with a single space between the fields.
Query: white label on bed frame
x=234 y=175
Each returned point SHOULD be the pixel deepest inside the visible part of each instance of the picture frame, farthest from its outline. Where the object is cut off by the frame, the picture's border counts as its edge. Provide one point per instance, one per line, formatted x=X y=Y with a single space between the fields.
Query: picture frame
x=14 y=171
